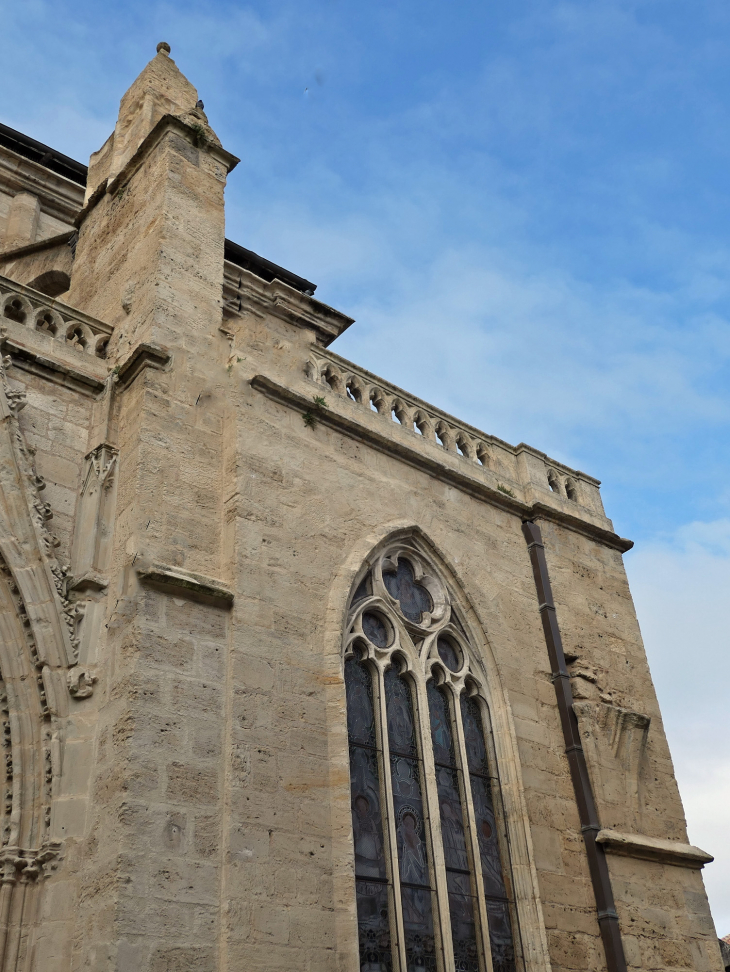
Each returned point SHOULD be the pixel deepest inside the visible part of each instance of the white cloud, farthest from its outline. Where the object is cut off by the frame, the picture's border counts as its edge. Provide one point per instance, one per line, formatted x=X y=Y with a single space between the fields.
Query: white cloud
x=681 y=588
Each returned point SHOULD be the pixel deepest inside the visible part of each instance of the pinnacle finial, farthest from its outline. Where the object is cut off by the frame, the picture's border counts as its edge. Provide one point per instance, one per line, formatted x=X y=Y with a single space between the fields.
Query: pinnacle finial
x=163 y=48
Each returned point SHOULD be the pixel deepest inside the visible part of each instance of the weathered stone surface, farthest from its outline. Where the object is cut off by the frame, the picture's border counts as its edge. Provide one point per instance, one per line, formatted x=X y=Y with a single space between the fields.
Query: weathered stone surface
x=171 y=641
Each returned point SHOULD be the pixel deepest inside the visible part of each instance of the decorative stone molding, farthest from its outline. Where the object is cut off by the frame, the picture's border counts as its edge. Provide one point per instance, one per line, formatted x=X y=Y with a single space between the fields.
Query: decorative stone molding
x=174 y=580
x=60 y=372
x=243 y=289
x=68 y=326
x=27 y=482
x=514 y=465
x=91 y=550
x=41 y=863
x=464 y=476
x=654 y=849
x=614 y=740
x=37 y=644
x=144 y=356
x=81 y=683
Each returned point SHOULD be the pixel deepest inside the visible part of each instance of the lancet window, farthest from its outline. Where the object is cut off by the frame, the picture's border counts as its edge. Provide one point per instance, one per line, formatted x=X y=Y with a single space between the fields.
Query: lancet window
x=431 y=855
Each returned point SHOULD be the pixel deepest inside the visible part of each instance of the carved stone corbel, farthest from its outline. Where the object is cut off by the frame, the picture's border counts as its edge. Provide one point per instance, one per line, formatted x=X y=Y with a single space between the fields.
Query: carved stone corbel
x=81 y=682
x=614 y=740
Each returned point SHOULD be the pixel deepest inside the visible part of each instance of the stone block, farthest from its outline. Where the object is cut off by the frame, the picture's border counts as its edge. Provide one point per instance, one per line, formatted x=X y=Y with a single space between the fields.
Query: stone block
x=192 y=784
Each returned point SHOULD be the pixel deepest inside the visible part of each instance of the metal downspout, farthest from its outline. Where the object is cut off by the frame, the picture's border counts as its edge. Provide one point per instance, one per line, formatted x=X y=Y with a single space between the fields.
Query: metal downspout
x=597 y=864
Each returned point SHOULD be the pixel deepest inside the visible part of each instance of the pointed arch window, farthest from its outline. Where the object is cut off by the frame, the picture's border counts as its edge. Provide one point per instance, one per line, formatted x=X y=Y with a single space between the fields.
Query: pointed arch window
x=432 y=879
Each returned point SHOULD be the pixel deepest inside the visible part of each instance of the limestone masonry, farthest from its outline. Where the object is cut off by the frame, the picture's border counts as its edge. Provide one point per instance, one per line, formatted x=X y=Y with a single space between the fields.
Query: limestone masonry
x=299 y=673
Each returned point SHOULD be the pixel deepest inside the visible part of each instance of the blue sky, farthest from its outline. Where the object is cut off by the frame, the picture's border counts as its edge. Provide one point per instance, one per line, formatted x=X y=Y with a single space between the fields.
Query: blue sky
x=527 y=204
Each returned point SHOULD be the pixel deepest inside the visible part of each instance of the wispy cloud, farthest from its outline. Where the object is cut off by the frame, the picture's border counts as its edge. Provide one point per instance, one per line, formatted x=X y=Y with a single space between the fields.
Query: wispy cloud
x=526 y=208
x=680 y=585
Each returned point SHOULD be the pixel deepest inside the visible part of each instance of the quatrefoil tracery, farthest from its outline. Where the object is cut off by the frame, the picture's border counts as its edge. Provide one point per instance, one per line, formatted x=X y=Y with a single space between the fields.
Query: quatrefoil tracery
x=402 y=613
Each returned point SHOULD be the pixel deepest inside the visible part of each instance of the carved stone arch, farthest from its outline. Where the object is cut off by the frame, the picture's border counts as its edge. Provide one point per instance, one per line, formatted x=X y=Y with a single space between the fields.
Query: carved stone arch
x=16 y=308
x=80 y=336
x=332 y=377
x=48 y=320
x=354 y=388
x=36 y=648
x=361 y=560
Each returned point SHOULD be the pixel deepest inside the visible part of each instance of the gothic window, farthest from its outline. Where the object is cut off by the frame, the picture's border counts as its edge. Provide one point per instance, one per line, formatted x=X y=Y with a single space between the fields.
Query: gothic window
x=432 y=879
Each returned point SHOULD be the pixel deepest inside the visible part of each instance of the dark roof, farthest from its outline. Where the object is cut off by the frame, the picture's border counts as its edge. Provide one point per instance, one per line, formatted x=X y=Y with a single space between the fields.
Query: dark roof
x=265 y=268
x=43 y=154
x=77 y=172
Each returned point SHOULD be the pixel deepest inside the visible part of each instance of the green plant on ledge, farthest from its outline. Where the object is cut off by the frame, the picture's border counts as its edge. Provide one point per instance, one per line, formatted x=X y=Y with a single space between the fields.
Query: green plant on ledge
x=504 y=489
x=311 y=416
x=199 y=136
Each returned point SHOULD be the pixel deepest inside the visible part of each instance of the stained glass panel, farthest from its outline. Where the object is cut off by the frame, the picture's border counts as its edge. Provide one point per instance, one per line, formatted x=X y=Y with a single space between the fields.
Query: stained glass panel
x=366 y=816
x=443 y=744
x=367 y=823
x=463 y=927
x=373 y=927
x=500 y=930
x=418 y=927
x=401 y=731
x=375 y=629
x=500 y=936
x=476 y=751
x=487 y=837
x=413 y=598
x=449 y=654
x=358 y=687
x=363 y=589
x=452 y=821
x=405 y=767
x=461 y=901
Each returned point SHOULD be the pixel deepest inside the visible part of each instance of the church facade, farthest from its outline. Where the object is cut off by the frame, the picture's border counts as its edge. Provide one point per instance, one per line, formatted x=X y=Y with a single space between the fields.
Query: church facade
x=299 y=672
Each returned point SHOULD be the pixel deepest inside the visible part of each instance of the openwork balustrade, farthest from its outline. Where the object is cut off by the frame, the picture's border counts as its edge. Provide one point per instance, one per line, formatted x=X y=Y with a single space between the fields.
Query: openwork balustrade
x=64 y=324
x=387 y=400
x=429 y=424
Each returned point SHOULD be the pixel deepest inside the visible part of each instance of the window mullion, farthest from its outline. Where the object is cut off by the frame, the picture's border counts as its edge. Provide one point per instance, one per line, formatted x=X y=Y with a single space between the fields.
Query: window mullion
x=396 y=910
x=485 y=951
x=444 y=949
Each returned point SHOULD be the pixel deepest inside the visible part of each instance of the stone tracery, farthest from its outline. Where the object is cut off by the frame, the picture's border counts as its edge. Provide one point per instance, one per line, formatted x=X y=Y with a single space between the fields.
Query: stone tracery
x=431 y=890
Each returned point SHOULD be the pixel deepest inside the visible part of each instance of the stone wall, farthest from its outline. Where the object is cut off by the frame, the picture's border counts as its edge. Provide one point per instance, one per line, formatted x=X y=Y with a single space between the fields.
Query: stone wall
x=215 y=491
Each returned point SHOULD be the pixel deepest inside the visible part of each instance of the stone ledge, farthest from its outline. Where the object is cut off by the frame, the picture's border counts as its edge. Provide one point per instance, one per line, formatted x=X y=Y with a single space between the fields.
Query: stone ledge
x=653 y=849
x=174 y=580
x=143 y=356
x=59 y=372
x=91 y=580
x=460 y=478
x=27 y=248
x=277 y=297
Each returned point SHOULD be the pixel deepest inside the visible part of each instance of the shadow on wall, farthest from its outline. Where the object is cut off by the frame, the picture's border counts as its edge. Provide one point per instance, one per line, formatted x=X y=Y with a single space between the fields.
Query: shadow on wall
x=52 y=283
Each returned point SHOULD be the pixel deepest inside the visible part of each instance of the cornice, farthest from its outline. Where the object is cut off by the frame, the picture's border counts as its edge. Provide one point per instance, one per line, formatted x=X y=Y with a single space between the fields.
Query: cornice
x=51 y=368
x=184 y=582
x=48 y=244
x=461 y=478
x=59 y=197
x=279 y=299
x=143 y=356
x=653 y=849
